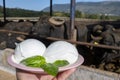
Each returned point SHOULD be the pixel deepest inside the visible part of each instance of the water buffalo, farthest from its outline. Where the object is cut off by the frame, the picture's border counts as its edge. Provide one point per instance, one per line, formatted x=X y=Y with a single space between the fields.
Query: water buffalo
x=49 y=27
x=19 y=26
x=111 y=39
x=57 y=28
x=41 y=27
x=105 y=36
x=10 y=26
x=96 y=34
x=95 y=38
x=82 y=31
x=10 y=37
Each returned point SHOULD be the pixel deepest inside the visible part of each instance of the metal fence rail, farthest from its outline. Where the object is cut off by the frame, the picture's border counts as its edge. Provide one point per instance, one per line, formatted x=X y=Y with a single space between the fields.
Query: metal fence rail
x=71 y=41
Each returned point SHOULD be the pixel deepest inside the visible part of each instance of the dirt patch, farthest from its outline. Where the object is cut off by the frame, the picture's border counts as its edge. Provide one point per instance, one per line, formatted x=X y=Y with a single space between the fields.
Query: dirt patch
x=6 y=76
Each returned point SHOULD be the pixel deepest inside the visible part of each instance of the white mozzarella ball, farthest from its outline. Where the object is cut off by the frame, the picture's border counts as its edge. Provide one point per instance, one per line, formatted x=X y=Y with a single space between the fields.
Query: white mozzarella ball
x=29 y=48
x=61 y=50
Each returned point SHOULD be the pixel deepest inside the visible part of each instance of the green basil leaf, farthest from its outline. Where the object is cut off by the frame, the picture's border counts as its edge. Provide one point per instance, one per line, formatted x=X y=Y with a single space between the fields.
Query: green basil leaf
x=40 y=62
x=50 y=68
x=61 y=63
x=35 y=61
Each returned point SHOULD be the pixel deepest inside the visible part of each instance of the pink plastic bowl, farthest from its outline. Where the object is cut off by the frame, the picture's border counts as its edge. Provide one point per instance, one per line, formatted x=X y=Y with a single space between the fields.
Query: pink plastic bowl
x=12 y=62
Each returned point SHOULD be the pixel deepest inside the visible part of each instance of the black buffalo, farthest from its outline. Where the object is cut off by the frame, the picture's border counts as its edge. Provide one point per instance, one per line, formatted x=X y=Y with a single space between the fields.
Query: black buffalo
x=41 y=27
x=82 y=32
x=111 y=39
x=49 y=27
x=10 y=38
x=57 y=28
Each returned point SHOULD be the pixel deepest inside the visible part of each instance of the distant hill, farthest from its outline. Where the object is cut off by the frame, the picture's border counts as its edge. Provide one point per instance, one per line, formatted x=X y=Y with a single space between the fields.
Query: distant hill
x=104 y=7
x=18 y=12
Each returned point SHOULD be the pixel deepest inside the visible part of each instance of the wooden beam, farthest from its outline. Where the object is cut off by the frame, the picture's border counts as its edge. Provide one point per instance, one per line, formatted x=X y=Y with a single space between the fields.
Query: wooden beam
x=71 y=41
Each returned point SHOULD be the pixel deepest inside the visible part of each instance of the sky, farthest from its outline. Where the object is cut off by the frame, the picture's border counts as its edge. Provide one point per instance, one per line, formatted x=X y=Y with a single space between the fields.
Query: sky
x=38 y=5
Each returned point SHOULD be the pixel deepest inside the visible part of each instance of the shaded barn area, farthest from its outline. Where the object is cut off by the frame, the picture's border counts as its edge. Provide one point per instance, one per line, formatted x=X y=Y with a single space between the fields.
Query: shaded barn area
x=91 y=32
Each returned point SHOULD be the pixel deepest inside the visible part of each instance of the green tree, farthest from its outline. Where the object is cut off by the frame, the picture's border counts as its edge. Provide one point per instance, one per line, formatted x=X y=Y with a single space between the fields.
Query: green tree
x=79 y=14
x=102 y=17
x=93 y=16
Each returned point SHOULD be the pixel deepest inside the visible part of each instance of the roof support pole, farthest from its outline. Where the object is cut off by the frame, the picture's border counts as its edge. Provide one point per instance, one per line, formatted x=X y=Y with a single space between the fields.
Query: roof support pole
x=4 y=10
x=72 y=18
x=51 y=10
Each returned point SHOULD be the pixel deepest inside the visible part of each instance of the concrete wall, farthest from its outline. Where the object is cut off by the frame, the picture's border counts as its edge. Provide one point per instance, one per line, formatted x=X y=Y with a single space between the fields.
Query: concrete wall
x=86 y=73
x=8 y=72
